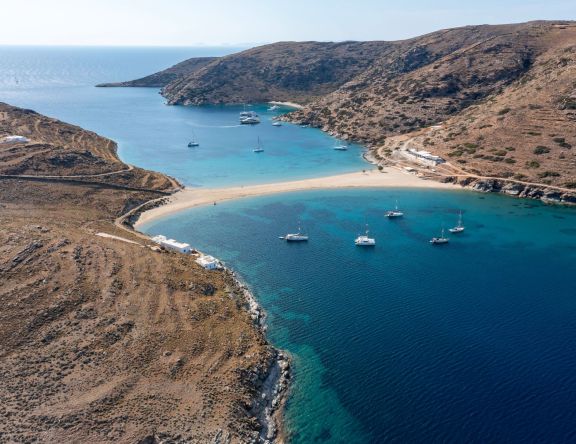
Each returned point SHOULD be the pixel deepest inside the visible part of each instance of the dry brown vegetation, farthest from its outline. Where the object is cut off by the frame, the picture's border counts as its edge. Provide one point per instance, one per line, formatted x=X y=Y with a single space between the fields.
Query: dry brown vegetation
x=103 y=340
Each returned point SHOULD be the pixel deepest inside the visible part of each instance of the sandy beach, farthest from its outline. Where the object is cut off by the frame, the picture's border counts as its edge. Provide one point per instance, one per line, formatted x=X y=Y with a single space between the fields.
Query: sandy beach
x=290 y=104
x=192 y=197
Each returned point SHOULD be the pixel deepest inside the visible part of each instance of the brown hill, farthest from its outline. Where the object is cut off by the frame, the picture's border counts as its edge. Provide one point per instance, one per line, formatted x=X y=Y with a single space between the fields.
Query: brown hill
x=163 y=78
x=524 y=131
x=288 y=71
x=103 y=339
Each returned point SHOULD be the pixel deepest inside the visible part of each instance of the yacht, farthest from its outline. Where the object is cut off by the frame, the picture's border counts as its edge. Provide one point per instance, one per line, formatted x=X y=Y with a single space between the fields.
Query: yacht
x=395 y=212
x=440 y=240
x=193 y=142
x=458 y=228
x=258 y=148
x=365 y=240
x=249 y=118
x=295 y=237
x=277 y=123
x=273 y=108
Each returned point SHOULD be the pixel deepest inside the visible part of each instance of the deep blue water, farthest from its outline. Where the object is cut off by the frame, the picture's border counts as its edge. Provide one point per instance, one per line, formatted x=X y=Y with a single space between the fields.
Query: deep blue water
x=470 y=342
x=60 y=82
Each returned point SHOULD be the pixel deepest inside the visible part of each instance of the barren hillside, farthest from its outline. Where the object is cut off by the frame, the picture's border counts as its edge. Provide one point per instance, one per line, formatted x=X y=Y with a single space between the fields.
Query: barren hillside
x=103 y=339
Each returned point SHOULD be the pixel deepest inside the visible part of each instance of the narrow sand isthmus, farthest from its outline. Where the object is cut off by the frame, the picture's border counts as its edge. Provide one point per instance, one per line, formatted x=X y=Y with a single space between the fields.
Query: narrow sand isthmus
x=192 y=197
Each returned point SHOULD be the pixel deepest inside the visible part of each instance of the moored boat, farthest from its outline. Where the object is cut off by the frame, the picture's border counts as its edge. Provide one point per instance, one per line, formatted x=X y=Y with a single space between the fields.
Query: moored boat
x=440 y=240
x=458 y=228
x=365 y=240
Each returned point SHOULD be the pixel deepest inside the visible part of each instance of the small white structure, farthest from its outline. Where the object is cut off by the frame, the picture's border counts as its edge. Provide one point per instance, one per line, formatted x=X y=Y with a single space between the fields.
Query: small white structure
x=15 y=139
x=423 y=157
x=209 y=262
x=171 y=244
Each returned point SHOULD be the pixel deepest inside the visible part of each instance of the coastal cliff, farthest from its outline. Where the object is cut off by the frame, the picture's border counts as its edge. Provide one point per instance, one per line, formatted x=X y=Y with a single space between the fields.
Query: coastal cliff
x=103 y=338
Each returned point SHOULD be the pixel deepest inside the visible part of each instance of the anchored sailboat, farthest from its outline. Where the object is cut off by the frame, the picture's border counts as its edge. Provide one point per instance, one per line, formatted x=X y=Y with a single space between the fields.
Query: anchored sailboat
x=295 y=237
x=258 y=148
x=193 y=142
x=440 y=240
x=458 y=228
x=395 y=212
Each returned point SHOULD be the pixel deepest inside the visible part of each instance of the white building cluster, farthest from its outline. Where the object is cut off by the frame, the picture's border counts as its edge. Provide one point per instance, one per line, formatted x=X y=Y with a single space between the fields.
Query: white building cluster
x=171 y=244
x=205 y=261
x=423 y=157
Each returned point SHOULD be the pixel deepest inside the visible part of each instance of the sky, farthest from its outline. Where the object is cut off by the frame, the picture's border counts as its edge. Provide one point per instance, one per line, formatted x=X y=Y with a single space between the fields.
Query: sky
x=250 y=22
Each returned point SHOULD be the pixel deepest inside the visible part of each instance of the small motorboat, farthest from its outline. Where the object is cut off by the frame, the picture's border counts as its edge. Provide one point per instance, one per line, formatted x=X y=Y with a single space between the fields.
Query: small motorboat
x=277 y=123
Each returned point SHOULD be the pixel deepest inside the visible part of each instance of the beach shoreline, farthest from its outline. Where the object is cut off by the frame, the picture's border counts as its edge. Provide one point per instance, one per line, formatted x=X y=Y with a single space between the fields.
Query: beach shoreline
x=369 y=178
x=289 y=104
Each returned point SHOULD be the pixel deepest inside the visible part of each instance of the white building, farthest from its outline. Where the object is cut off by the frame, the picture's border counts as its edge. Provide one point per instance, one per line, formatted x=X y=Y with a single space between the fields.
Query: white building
x=171 y=244
x=209 y=262
x=15 y=139
x=423 y=157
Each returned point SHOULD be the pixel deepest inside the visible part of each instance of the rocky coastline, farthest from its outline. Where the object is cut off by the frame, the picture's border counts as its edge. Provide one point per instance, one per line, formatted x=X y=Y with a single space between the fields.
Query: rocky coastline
x=271 y=383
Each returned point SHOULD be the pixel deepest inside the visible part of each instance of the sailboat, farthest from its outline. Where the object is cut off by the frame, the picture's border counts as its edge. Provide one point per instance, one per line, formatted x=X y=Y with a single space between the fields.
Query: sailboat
x=458 y=228
x=440 y=240
x=395 y=212
x=338 y=146
x=365 y=240
x=193 y=142
x=259 y=148
x=295 y=237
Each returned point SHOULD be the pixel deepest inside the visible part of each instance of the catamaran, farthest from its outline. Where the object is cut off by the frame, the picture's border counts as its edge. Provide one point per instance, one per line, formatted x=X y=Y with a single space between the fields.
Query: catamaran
x=365 y=240
x=458 y=228
x=440 y=240
x=193 y=142
x=295 y=237
x=395 y=212
x=258 y=148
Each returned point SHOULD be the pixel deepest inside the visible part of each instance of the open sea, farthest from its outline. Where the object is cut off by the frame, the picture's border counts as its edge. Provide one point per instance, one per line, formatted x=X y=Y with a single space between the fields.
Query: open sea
x=471 y=342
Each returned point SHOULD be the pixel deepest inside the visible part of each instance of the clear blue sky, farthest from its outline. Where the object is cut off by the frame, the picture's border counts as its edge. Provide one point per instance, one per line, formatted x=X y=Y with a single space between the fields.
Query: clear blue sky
x=214 y=22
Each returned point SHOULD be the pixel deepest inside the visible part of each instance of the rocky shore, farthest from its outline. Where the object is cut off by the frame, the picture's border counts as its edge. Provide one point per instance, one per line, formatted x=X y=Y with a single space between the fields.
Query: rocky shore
x=273 y=385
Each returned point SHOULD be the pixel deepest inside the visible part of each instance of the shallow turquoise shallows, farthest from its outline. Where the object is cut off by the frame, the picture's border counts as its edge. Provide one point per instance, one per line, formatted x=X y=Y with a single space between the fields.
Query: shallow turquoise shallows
x=60 y=82
x=474 y=341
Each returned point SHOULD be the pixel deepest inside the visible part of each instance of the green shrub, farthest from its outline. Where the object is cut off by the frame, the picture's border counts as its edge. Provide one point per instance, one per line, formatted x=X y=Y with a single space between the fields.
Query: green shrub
x=541 y=150
x=570 y=185
x=548 y=174
x=533 y=164
x=503 y=111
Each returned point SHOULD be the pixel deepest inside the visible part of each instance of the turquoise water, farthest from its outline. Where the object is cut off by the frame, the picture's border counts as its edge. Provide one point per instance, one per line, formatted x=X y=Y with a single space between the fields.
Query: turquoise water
x=406 y=342
x=60 y=82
